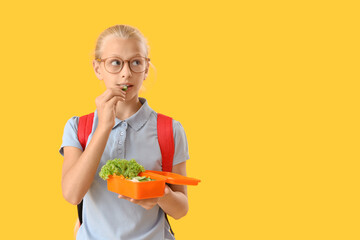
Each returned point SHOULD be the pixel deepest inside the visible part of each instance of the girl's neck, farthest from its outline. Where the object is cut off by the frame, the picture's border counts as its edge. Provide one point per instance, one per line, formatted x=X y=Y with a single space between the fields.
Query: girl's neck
x=124 y=110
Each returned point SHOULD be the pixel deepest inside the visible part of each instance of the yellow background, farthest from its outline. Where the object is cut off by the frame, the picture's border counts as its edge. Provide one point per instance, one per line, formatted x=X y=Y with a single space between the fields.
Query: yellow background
x=267 y=91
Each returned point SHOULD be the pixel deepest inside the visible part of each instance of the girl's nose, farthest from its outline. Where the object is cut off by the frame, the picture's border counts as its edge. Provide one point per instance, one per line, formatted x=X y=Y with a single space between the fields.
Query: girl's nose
x=125 y=71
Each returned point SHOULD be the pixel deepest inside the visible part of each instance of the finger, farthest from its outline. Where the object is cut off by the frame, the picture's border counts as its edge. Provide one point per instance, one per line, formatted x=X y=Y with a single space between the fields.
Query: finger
x=110 y=93
x=124 y=197
x=167 y=189
x=129 y=199
x=118 y=91
x=113 y=101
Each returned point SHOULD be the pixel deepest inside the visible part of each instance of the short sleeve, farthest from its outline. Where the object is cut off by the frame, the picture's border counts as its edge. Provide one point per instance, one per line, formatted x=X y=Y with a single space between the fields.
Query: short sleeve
x=181 y=145
x=70 y=135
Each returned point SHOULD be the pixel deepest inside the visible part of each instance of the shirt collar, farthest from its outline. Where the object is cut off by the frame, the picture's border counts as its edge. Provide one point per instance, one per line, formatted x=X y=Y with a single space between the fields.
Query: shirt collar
x=137 y=120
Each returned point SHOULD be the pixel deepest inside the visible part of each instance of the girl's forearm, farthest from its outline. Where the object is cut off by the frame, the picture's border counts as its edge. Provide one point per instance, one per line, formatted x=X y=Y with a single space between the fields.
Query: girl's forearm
x=174 y=204
x=78 y=179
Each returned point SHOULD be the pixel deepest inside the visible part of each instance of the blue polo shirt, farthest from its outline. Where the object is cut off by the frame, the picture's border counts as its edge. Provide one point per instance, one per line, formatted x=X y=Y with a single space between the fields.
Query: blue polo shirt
x=105 y=216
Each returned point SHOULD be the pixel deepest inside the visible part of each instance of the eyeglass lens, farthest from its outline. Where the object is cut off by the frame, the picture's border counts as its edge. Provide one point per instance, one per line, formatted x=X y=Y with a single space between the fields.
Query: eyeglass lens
x=114 y=64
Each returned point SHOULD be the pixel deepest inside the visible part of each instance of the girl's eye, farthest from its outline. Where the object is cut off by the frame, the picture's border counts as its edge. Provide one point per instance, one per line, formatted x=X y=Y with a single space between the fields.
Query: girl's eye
x=115 y=62
x=136 y=62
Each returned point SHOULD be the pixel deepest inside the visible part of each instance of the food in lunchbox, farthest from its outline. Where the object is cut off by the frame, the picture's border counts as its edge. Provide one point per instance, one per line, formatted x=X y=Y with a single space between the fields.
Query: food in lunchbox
x=129 y=169
x=141 y=179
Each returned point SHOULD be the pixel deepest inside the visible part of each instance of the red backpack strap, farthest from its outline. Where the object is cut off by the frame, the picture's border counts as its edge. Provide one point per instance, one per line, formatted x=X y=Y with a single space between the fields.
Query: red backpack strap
x=166 y=141
x=167 y=146
x=85 y=128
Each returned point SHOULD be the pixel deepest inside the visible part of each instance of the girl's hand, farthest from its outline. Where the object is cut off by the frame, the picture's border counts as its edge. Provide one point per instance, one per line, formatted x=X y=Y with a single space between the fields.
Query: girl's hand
x=106 y=106
x=147 y=203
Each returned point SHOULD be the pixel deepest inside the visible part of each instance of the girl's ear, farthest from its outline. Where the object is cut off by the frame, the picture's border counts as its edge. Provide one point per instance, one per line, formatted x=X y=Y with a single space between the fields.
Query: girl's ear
x=146 y=72
x=96 y=67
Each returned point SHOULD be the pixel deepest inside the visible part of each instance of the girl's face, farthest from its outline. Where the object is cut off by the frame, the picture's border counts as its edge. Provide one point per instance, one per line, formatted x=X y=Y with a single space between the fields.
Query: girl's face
x=124 y=49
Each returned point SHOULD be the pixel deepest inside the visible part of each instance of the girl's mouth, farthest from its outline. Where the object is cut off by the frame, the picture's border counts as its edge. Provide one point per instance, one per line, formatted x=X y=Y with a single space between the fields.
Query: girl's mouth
x=126 y=87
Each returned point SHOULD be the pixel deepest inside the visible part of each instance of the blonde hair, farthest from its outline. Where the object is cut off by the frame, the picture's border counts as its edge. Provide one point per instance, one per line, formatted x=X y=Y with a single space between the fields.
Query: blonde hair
x=122 y=31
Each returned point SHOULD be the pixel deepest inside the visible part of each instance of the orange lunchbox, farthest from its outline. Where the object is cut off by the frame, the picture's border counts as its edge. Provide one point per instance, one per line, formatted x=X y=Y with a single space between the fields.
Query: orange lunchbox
x=149 y=189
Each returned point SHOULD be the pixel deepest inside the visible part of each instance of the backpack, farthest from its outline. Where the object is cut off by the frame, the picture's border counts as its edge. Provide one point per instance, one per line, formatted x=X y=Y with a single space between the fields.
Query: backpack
x=165 y=138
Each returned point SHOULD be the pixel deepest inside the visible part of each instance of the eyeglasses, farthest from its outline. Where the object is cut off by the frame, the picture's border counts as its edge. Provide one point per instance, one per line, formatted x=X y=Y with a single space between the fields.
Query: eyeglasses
x=115 y=64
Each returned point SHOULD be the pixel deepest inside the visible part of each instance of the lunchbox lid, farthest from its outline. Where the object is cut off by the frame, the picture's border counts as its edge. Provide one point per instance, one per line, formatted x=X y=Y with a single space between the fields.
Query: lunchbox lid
x=171 y=178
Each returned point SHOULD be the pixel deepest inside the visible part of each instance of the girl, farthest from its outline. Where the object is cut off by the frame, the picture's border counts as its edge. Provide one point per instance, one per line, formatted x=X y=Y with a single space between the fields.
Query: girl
x=124 y=127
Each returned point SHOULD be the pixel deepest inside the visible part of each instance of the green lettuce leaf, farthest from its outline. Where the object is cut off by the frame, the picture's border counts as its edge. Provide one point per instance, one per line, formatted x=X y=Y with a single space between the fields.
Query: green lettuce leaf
x=127 y=168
